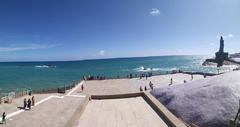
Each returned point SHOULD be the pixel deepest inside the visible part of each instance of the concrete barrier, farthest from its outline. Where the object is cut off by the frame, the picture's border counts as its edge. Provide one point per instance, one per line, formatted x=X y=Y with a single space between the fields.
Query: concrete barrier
x=170 y=119
x=117 y=96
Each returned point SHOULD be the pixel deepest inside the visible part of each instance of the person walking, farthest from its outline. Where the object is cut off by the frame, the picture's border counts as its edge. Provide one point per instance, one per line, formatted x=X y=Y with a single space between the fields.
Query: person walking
x=29 y=103
x=145 y=88
x=24 y=103
x=141 y=89
x=4 y=118
x=82 y=87
x=151 y=85
x=171 y=82
x=33 y=101
x=184 y=81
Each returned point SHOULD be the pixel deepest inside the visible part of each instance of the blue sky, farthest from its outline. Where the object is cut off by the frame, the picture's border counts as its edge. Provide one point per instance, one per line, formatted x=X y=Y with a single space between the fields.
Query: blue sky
x=88 y=29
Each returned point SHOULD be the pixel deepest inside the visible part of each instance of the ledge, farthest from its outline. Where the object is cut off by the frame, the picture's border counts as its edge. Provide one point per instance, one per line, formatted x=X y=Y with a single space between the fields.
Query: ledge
x=77 y=114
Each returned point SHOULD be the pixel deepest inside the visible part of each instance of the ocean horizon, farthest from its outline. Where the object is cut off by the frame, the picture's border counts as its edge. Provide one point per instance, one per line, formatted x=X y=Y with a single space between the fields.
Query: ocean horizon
x=39 y=75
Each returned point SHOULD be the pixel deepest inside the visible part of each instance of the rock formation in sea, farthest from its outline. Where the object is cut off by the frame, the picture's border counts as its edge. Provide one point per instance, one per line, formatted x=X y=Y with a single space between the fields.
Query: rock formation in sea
x=235 y=55
x=209 y=102
x=221 y=57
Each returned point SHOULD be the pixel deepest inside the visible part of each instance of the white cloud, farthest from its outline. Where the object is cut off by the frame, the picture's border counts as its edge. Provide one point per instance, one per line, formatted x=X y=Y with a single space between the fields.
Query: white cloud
x=226 y=36
x=230 y=35
x=212 y=44
x=154 y=12
x=101 y=53
x=27 y=47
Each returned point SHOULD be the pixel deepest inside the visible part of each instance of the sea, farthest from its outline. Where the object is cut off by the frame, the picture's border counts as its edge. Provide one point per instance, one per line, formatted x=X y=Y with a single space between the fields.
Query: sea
x=15 y=76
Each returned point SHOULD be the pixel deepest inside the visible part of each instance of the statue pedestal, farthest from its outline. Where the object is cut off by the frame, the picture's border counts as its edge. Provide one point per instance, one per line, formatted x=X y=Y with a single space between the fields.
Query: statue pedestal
x=220 y=57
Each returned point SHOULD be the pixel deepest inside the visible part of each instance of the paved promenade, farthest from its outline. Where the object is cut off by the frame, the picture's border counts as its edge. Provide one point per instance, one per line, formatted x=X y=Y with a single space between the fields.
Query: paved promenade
x=55 y=110
x=50 y=110
x=122 y=86
x=18 y=102
x=129 y=112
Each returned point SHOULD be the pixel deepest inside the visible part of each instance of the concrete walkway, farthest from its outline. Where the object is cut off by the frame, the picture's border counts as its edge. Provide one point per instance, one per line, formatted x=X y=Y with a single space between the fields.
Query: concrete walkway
x=56 y=110
x=128 y=112
x=123 y=86
x=52 y=113
x=50 y=110
x=18 y=102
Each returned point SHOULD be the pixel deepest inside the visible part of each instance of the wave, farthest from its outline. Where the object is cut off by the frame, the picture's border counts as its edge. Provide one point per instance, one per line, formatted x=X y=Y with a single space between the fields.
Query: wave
x=42 y=66
x=45 y=66
x=144 y=69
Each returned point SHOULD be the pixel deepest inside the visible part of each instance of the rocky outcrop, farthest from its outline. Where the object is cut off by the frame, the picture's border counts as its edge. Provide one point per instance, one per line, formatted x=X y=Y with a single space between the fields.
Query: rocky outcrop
x=209 y=102
x=235 y=55
x=213 y=62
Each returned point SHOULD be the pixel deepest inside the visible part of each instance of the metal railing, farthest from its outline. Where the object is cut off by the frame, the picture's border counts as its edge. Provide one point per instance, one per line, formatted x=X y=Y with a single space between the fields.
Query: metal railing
x=7 y=97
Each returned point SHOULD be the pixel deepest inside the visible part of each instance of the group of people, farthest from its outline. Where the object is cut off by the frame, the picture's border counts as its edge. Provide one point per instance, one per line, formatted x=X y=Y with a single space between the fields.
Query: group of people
x=102 y=77
x=146 y=75
x=89 y=77
x=141 y=89
x=145 y=88
x=28 y=103
x=184 y=81
x=171 y=82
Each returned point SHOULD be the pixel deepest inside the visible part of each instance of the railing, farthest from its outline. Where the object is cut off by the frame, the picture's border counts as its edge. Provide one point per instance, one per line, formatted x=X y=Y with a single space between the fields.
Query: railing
x=147 y=74
x=7 y=97
x=57 y=90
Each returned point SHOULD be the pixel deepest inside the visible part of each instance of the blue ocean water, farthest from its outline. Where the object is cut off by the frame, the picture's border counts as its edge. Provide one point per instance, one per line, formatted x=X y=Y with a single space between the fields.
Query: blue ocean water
x=38 y=75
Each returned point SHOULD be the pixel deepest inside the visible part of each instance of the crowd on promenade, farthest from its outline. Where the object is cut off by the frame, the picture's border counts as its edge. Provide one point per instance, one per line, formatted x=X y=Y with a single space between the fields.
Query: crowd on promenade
x=129 y=76
x=91 y=77
x=143 y=75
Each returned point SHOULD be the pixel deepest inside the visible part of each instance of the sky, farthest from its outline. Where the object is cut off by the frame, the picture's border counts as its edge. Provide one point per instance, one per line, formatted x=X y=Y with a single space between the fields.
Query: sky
x=32 y=30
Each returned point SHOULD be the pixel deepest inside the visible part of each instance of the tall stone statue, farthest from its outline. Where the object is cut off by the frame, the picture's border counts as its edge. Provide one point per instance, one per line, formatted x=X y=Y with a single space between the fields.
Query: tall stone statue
x=221 y=55
x=221 y=49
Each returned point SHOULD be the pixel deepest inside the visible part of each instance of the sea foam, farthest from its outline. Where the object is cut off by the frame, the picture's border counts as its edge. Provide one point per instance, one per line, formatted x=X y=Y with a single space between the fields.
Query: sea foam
x=144 y=69
x=42 y=66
